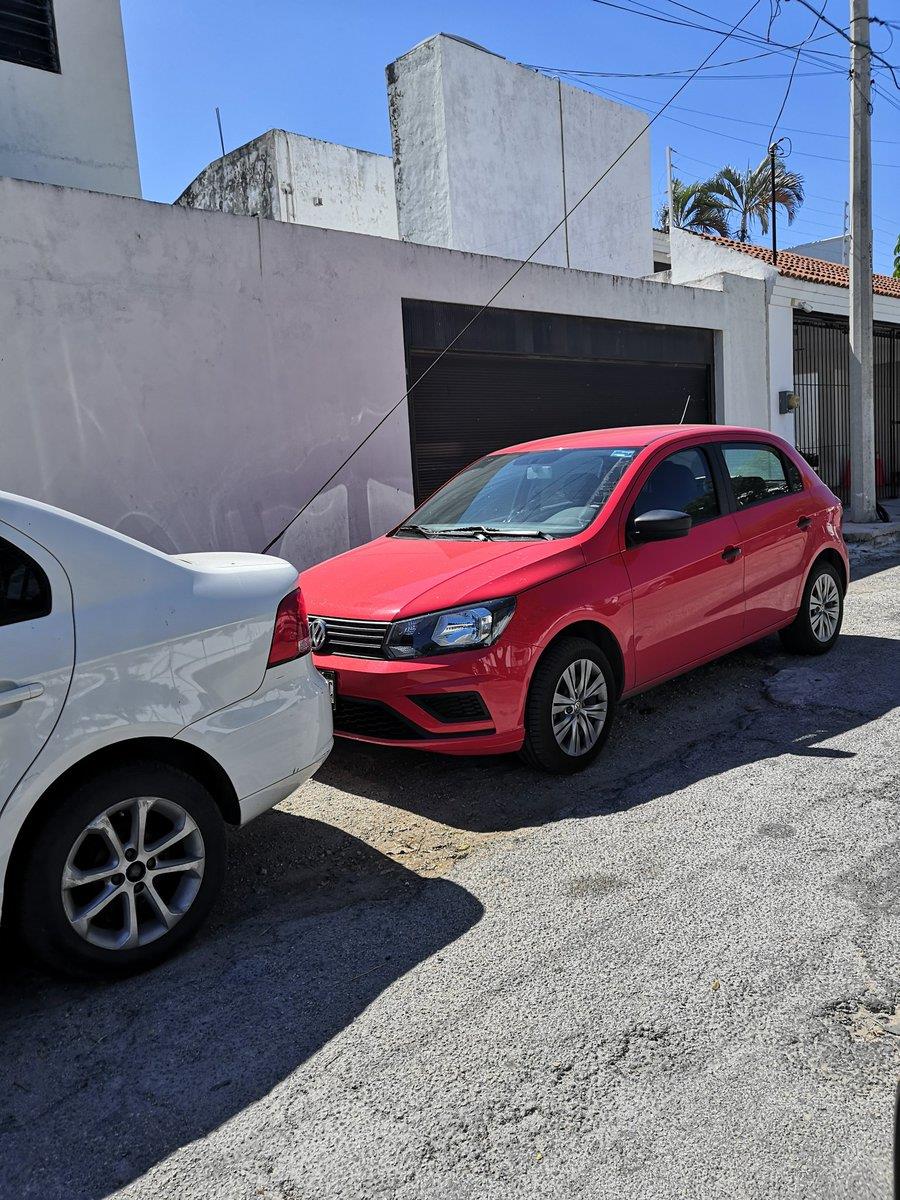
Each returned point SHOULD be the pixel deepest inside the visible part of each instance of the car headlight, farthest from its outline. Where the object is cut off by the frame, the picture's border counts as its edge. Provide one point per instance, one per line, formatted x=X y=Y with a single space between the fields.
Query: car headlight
x=467 y=628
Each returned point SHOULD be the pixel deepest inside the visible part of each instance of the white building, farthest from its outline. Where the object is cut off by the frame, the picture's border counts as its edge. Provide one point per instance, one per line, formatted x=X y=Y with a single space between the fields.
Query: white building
x=192 y=377
x=807 y=303
x=489 y=156
x=302 y=180
x=65 y=103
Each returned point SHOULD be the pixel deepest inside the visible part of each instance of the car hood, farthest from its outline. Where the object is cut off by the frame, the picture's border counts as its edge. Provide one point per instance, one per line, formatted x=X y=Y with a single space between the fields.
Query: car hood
x=395 y=577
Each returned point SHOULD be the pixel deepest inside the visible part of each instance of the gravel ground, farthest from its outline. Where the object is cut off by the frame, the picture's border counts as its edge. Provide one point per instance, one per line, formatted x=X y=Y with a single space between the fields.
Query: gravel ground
x=675 y=975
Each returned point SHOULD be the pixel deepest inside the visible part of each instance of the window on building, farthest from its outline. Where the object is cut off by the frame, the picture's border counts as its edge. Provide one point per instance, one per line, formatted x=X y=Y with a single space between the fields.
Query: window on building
x=28 y=34
x=24 y=588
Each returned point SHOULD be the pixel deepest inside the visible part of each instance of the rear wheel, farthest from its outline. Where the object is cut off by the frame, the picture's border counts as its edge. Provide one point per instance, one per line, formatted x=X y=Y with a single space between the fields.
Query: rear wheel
x=122 y=873
x=816 y=627
x=570 y=707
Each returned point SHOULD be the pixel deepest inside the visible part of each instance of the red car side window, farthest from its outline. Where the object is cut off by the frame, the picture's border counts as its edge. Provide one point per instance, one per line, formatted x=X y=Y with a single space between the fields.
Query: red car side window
x=757 y=473
x=682 y=482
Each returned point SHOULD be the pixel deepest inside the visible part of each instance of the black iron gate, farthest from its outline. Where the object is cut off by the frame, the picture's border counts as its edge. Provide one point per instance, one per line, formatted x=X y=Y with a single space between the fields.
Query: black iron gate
x=518 y=375
x=821 y=366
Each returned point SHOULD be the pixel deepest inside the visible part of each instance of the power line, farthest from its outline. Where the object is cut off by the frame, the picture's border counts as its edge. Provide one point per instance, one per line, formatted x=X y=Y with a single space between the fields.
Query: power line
x=503 y=286
x=818 y=57
x=556 y=71
x=731 y=62
x=853 y=42
x=790 y=84
x=731 y=136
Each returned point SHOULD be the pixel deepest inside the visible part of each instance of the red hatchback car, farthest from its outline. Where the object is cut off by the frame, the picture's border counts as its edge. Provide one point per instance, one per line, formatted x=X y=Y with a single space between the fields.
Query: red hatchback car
x=547 y=581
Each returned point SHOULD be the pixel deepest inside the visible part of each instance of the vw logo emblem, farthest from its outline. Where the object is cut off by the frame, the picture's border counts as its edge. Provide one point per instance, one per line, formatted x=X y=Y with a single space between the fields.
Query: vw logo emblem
x=317 y=632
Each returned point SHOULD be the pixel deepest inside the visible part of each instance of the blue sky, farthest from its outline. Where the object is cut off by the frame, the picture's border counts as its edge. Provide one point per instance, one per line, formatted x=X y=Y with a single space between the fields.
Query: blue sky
x=318 y=69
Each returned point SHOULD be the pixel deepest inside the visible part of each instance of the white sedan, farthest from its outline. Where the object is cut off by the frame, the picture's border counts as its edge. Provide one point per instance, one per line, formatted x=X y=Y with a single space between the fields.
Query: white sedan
x=146 y=700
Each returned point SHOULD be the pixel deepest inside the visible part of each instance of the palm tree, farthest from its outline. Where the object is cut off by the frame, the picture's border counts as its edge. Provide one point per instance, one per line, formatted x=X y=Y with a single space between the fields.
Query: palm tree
x=697 y=208
x=748 y=194
x=897 y=259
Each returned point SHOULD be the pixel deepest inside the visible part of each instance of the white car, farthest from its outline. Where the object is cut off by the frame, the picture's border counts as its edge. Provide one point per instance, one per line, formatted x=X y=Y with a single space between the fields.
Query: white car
x=146 y=700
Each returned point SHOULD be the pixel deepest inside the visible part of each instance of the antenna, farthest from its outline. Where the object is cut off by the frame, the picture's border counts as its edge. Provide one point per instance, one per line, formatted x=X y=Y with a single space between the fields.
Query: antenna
x=684 y=414
x=219 y=123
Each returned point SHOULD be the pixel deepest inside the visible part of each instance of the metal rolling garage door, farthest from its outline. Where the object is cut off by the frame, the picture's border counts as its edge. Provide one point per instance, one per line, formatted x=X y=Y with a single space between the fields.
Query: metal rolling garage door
x=531 y=375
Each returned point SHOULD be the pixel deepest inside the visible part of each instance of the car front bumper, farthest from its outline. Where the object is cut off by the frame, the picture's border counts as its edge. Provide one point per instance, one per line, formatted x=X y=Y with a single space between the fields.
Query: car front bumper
x=432 y=703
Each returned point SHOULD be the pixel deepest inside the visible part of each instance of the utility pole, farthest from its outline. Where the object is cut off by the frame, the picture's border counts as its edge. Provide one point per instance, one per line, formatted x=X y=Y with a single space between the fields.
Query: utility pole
x=670 y=191
x=861 y=374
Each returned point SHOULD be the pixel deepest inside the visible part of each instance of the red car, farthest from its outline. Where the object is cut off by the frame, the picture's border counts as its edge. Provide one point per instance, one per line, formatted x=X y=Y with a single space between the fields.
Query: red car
x=545 y=582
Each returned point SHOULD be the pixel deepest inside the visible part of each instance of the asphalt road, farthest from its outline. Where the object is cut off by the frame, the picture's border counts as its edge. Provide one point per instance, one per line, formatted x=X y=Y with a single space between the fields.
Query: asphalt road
x=676 y=975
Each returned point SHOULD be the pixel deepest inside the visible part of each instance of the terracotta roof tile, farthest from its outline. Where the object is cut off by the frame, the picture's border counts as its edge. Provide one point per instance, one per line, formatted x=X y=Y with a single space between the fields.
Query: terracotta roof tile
x=813 y=270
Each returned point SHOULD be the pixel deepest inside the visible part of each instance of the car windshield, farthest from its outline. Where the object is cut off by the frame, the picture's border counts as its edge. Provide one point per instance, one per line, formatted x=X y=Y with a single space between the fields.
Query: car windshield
x=529 y=494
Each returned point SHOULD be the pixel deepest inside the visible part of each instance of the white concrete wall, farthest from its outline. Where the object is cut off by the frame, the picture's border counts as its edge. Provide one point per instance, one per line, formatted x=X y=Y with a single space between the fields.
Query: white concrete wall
x=302 y=180
x=833 y=249
x=695 y=259
x=190 y=378
x=489 y=156
x=74 y=128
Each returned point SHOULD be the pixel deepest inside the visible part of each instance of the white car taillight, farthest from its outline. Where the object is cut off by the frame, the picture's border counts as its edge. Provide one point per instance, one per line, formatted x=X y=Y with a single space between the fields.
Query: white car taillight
x=291 y=636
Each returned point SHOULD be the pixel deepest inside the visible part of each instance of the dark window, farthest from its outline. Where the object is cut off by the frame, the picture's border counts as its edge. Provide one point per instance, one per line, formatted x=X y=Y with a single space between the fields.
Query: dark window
x=683 y=483
x=757 y=473
x=794 y=478
x=24 y=588
x=28 y=34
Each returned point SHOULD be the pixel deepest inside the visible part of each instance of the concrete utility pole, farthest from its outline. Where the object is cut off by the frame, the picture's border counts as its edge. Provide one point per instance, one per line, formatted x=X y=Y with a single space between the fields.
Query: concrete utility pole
x=861 y=376
x=670 y=190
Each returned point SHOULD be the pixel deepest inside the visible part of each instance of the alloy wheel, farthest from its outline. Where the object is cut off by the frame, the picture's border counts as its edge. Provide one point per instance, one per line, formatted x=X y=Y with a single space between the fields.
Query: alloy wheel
x=133 y=873
x=579 y=707
x=824 y=607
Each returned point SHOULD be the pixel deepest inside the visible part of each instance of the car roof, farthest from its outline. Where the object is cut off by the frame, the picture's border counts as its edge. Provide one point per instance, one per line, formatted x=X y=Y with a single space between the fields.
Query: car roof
x=628 y=436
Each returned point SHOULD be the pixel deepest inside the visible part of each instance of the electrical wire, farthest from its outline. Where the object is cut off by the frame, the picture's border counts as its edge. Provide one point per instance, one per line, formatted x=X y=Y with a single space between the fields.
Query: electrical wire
x=892 y=67
x=731 y=62
x=733 y=137
x=790 y=84
x=503 y=286
x=631 y=96
x=818 y=57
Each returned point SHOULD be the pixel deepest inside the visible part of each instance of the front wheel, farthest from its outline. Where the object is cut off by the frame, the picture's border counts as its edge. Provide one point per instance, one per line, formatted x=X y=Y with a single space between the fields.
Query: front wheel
x=570 y=707
x=122 y=873
x=816 y=627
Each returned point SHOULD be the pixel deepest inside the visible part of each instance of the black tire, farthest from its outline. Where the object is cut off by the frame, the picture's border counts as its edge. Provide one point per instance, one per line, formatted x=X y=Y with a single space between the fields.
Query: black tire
x=39 y=914
x=801 y=637
x=542 y=749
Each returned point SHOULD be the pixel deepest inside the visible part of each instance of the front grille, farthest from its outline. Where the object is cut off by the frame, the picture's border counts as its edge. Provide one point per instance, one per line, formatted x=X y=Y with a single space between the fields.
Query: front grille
x=359 y=639
x=454 y=707
x=370 y=718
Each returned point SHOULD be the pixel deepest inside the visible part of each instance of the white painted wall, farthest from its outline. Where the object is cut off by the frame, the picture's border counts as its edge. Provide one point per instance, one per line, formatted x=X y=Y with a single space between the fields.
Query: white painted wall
x=74 y=128
x=695 y=259
x=489 y=156
x=189 y=378
x=302 y=180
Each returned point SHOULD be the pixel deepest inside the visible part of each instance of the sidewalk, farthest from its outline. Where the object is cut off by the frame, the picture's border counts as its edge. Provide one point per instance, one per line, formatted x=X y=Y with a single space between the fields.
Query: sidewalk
x=877 y=533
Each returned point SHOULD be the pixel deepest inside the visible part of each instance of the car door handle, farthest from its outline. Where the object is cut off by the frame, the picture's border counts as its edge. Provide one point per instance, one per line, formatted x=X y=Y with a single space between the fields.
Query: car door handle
x=804 y=523
x=17 y=695
x=731 y=553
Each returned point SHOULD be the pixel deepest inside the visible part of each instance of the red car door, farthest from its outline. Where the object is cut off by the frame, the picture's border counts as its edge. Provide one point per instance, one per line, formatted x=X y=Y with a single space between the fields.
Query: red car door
x=773 y=513
x=688 y=593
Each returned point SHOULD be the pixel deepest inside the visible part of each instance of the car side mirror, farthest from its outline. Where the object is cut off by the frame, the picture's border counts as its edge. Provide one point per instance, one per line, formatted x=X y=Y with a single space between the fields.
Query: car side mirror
x=659 y=525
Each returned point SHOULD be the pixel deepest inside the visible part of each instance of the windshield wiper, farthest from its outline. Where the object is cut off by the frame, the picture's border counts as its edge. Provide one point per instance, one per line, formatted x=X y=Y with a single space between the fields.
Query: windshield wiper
x=418 y=530
x=493 y=531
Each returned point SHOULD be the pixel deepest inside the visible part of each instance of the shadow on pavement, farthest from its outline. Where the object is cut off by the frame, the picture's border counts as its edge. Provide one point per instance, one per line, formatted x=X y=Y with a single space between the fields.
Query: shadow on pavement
x=99 y=1083
x=703 y=724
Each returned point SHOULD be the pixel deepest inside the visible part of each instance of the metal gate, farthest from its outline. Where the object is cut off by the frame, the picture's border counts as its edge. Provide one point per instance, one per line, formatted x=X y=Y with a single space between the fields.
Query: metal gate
x=821 y=370
x=518 y=375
